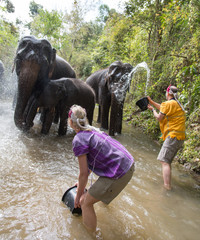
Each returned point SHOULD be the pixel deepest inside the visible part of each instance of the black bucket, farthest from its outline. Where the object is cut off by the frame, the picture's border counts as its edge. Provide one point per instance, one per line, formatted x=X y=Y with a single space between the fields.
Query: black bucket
x=68 y=199
x=142 y=103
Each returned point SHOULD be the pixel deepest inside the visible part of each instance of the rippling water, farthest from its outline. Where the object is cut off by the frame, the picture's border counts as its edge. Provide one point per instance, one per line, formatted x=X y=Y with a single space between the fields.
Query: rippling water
x=36 y=170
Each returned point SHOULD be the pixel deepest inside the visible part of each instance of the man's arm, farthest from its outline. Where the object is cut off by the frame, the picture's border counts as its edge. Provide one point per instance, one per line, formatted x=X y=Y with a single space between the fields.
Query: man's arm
x=159 y=116
x=155 y=104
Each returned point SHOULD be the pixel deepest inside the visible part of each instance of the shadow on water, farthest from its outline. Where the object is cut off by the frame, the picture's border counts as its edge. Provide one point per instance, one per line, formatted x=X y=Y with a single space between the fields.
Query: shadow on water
x=36 y=170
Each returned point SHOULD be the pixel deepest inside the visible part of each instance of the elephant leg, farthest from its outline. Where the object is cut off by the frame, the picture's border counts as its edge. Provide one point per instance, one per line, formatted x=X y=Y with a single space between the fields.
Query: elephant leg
x=30 y=113
x=47 y=121
x=57 y=114
x=118 y=126
x=112 y=122
x=90 y=113
x=28 y=107
x=63 y=122
x=99 y=114
x=42 y=114
x=114 y=116
x=105 y=113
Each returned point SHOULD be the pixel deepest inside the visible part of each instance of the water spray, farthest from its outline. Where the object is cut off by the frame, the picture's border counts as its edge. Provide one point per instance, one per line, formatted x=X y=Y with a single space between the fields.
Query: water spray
x=120 y=88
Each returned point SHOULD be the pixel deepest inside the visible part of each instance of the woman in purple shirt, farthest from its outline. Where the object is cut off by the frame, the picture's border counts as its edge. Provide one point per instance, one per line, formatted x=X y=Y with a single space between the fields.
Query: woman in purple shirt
x=107 y=158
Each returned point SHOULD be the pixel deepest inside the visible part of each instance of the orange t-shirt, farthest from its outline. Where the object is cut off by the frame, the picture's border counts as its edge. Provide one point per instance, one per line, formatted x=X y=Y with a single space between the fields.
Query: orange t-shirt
x=173 y=124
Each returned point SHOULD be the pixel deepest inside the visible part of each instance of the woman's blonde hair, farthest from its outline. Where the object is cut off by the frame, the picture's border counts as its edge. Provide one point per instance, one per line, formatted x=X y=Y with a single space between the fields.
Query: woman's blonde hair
x=78 y=116
x=79 y=119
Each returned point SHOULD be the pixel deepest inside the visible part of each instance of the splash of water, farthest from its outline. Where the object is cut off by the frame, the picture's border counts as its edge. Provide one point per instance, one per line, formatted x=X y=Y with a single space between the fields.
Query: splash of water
x=120 y=88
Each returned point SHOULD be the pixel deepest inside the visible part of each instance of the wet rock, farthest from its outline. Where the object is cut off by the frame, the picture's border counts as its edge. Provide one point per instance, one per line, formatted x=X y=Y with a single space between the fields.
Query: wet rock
x=188 y=166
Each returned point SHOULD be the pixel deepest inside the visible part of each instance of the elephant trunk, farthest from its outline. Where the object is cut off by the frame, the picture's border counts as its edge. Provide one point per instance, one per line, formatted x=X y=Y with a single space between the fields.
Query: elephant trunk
x=116 y=115
x=28 y=75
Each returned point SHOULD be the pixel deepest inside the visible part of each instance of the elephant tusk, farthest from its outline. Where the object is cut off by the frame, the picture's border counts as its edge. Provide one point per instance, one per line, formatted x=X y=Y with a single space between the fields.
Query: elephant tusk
x=113 y=71
x=31 y=53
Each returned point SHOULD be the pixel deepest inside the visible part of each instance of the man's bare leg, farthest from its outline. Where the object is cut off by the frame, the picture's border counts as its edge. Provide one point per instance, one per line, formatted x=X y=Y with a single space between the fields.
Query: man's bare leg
x=166 y=171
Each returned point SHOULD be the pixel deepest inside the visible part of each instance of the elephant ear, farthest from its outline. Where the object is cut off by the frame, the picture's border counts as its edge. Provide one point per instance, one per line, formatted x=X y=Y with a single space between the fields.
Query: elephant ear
x=60 y=90
x=52 y=94
x=115 y=68
x=52 y=62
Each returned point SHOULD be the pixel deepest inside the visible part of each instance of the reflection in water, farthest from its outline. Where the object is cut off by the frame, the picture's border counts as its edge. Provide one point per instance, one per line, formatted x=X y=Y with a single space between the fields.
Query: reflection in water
x=36 y=170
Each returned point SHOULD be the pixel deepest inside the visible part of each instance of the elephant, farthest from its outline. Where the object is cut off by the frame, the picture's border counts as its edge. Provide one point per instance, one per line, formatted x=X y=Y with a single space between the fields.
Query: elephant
x=66 y=92
x=110 y=86
x=36 y=63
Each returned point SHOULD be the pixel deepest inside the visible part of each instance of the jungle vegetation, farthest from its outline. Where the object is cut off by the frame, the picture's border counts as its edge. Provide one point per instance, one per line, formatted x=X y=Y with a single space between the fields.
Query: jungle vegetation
x=163 y=33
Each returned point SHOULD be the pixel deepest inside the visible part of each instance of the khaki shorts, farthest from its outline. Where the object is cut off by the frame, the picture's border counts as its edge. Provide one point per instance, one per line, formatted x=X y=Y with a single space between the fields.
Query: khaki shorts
x=106 y=189
x=169 y=149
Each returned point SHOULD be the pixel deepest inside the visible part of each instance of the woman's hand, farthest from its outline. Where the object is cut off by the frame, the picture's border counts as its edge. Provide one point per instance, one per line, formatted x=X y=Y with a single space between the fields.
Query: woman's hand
x=150 y=100
x=155 y=104
x=150 y=107
x=77 y=201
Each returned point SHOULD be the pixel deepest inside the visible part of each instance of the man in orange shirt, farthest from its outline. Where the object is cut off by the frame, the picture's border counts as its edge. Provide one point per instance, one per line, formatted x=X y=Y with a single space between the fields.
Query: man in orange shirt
x=171 y=117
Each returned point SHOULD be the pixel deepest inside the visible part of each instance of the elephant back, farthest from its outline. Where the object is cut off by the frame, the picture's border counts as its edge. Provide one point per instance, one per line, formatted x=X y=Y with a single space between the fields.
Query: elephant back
x=97 y=79
x=62 y=69
x=77 y=92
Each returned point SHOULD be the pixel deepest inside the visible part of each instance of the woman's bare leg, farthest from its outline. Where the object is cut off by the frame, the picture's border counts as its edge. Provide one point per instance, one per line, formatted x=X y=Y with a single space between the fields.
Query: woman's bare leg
x=88 y=213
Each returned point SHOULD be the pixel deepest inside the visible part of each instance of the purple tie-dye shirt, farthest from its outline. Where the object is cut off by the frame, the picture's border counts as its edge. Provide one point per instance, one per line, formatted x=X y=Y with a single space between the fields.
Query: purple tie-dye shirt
x=106 y=156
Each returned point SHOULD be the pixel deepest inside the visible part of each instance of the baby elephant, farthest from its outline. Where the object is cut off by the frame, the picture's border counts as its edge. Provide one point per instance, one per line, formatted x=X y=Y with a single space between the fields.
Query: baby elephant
x=60 y=94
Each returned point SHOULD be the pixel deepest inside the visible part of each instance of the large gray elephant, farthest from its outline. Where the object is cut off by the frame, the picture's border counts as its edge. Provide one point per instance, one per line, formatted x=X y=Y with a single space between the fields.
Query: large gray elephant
x=110 y=86
x=36 y=63
x=66 y=92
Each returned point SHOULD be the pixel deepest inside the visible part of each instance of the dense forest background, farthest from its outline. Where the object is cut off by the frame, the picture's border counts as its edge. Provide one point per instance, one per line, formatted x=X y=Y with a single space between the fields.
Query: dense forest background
x=163 y=33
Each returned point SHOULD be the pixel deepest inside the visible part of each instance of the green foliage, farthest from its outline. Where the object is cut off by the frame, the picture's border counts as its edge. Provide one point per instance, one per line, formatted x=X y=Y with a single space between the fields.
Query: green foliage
x=105 y=13
x=34 y=8
x=190 y=153
x=9 y=6
x=143 y=120
x=79 y=40
x=174 y=57
x=8 y=42
x=47 y=24
x=194 y=16
x=8 y=36
x=120 y=40
x=83 y=64
x=190 y=89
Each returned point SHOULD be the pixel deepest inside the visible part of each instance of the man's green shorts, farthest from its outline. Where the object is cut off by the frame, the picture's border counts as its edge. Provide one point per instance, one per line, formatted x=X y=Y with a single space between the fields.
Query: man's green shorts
x=106 y=189
x=169 y=149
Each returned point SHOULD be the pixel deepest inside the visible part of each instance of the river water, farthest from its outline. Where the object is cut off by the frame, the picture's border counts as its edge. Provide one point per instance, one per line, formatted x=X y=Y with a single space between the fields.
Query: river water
x=36 y=171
